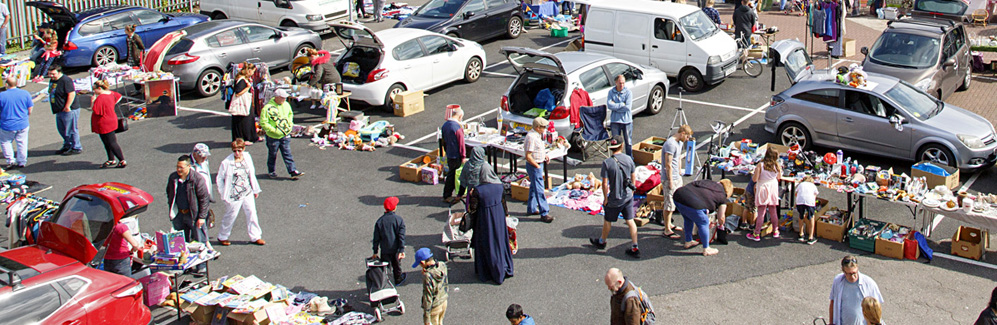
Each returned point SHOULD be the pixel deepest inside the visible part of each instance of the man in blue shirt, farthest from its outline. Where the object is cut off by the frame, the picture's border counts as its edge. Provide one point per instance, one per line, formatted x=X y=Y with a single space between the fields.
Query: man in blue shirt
x=15 y=106
x=619 y=103
x=847 y=292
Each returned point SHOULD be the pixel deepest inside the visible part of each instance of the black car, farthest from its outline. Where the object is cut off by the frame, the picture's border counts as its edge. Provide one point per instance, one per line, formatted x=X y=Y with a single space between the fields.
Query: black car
x=469 y=19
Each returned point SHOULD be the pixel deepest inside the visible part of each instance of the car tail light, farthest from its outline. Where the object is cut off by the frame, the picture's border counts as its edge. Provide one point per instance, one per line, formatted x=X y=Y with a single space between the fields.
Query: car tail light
x=182 y=59
x=377 y=75
x=70 y=46
x=135 y=288
x=776 y=100
x=505 y=103
x=559 y=112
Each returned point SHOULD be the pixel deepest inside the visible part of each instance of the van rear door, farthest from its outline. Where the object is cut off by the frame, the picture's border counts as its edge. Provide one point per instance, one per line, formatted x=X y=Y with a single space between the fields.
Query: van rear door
x=600 y=27
x=631 y=40
x=668 y=46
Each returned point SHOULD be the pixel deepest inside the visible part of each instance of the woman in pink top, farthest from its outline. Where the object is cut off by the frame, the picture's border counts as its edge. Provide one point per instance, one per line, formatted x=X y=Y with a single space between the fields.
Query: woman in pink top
x=766 y=177
x=118 y=258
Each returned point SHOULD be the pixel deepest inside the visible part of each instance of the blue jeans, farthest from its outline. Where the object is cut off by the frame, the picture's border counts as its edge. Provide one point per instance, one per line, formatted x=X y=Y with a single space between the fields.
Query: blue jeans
x=537 y=202
x=695 y=218
x=122 y=266
x=627 y=130
x=66 y=124
x=284 y=145
x=21 y=138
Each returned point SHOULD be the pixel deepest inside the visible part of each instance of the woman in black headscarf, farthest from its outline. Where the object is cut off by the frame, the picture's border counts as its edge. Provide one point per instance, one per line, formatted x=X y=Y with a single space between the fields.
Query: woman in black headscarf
x=486 y=203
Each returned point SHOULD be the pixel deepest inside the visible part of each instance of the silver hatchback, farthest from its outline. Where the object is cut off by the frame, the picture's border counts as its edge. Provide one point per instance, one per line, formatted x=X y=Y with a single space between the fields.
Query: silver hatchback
x=887 y=117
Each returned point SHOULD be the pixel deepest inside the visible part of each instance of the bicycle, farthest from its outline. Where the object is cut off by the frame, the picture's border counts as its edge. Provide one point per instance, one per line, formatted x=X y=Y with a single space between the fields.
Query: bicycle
x=753 y=66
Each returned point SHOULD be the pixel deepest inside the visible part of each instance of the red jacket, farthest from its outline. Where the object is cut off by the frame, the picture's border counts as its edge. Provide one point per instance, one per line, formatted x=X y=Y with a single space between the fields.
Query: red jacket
x=104 y=119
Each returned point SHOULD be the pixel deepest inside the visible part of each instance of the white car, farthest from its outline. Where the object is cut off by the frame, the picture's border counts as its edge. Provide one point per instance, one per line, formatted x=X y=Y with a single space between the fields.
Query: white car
x=376 y=66
x=562 y=72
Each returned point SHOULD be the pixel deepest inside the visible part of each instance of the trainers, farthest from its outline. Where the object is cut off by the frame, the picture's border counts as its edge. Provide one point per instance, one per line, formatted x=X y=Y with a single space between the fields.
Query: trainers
x=803 y=239
x=401 y=280
x=634 y=251
x=597 y=243
x=547 y=218
x=61 y=151
x=296 y=174
x=812 y=241
x=272 y=175
x=754 y=237
x=313 y=106
x=73 y=152
x=776 y=235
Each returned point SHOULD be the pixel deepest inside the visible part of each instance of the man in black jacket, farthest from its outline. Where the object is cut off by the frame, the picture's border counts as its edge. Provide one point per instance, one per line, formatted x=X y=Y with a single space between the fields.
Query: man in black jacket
x=744 y=19
x=389 y=237
x=188 y=197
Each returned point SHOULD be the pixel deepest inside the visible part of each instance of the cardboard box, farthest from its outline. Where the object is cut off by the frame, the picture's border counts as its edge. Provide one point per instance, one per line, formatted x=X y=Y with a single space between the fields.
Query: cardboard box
x=951 y=181
x=642 y=157
x=797 y=223
x=890 y=248
x=778 y=147
x=655 y=194
x=199 y=314
x=848 y=47
x=414 y=174
x=832 y=231
x=408 y=102
x=734 y=208
x=522 y=193
x=652 y=140
x=969 y=242
x=258 y=317
x=757 y=52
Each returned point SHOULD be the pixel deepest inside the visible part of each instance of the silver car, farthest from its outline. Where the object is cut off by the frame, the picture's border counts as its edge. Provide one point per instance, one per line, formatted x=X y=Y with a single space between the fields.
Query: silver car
x=887 y=117
x=201 y=56
x=931 y=54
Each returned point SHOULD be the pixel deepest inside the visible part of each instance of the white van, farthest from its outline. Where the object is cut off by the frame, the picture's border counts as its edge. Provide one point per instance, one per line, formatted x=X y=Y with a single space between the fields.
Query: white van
x=676 y=38
x=309 y=14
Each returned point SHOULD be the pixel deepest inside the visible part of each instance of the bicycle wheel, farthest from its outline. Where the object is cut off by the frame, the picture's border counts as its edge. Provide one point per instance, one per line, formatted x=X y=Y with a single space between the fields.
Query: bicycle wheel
x=752 y=67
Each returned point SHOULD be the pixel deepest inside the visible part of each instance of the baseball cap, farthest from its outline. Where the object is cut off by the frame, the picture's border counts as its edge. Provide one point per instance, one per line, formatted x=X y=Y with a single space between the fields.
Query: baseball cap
x=280 y=93
x=616 y=141
x=202 y=149
x=421 y=255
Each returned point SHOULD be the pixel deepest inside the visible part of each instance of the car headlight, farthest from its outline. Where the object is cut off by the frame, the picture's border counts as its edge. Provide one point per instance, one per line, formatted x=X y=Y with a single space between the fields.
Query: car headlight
x=972 y=142
x=714 y=59
x=313 y=17
x=925 y=84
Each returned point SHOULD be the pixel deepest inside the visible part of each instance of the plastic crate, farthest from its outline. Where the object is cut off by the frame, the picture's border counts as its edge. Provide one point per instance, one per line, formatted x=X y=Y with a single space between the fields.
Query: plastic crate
x=864 y=243
x=559 y=32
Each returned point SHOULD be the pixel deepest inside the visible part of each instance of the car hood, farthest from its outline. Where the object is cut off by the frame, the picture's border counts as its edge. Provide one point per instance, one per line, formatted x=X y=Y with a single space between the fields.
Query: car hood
x=957 y=120
x=911 y=75
x=417 y=22
x=719 y=44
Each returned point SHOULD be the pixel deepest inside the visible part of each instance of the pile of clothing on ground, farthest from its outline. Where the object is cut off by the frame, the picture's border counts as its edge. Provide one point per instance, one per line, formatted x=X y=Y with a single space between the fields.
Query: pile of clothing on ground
x=582 y=193
x=356 y=136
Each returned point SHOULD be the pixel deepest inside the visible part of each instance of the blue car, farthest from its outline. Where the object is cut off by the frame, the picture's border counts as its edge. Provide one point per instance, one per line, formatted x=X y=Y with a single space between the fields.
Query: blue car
x=97 y=36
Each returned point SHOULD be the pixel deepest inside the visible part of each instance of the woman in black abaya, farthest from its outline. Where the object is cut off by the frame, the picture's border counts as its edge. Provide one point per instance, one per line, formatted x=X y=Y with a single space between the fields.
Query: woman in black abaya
x=492 y=255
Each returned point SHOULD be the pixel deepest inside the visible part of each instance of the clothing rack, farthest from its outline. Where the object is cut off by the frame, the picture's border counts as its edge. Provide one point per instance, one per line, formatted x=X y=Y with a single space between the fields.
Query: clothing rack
x=25 y=212
x=839 y=14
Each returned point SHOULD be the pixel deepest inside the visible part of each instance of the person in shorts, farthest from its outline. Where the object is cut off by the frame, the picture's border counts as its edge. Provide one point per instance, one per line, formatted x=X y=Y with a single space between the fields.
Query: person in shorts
x=671 y=176
x=618 y=189
x=806 y=206
x=748 y=203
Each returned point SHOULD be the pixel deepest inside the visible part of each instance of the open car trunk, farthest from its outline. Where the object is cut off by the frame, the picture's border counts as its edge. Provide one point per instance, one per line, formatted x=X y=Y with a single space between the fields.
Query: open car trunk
x=523 y=94
x=357 y=63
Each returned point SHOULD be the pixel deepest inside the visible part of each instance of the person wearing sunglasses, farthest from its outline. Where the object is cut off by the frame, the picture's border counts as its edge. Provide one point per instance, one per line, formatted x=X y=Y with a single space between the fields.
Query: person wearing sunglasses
x=847 y=292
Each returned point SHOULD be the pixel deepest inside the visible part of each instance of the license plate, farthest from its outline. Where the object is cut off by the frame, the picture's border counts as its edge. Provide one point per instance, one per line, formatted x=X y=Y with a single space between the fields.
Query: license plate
x=730 y=70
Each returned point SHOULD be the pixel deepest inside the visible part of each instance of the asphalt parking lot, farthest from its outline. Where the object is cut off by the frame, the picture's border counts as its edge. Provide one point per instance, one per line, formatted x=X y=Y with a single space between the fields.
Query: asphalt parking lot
x=318 y=228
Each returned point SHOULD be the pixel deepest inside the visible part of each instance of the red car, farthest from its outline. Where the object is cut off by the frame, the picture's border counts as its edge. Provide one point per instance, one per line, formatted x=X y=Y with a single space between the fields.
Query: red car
x=51 y=281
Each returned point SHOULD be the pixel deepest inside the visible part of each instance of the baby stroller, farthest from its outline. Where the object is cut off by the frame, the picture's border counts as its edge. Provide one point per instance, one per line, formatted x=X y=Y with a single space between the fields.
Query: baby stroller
x=458 y=242
x=798 y=6
x=380 y=289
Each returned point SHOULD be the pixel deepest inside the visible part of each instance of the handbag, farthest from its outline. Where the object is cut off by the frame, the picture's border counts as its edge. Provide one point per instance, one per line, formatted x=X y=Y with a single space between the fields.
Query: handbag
x=122 y=121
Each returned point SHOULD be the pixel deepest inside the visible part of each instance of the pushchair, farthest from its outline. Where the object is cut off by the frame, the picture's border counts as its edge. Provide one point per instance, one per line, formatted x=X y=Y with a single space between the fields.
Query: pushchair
x=458 y=242
x=798 y=6
x=381 y=290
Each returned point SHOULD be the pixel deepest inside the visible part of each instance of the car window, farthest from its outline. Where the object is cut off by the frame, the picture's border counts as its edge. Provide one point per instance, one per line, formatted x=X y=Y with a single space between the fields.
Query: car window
x=698 y=25
x=407 y=51
x=949 y=7
x=32 y=305
x=495 y=3
x=435 y=44
x=665 y=29
x=223 y=39
x=72 y=285
x=904 y=50
x=827 y=97
x=616 y=69
x=960 y=37
x=948 y=47
x=146 y=17
x=117 y=22
x=92 y=27
x=438 y=8
x=475 y=6
x=88 y=215
x=866 y=103
x=594 y=80
x=257 y=33
x=913 y=100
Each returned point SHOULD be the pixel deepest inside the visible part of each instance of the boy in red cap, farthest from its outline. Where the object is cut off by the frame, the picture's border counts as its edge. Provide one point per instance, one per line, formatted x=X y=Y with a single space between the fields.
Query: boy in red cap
x=389 y=237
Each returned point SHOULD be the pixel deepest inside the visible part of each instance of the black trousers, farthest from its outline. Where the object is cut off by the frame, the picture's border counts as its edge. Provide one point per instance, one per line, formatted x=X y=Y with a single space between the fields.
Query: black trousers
x=448 y=186
x=360 y=9
x=396 y=268
x=244 y=127
x=111 y=146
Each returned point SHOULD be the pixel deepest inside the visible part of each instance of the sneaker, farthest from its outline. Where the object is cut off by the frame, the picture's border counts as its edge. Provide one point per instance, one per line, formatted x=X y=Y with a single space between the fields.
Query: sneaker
x=597 y=243
x=401 y=280
x=776 y=235
x=272 y=175
x=754 y=237
x=312 y=107
x=634 y=252
x=710 y=251
x=296 y=174
x=61 y=151
x=812 y=241
x=547 y=218
x=803 y=239
x=73 y=152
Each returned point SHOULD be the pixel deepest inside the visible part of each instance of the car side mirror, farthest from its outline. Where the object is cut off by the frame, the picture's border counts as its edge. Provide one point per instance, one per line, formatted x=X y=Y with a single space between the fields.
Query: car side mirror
x=949 y=63
x=468 y=15
x=898 y=122
x=164 y=19
x=452 y=47
x=638 y=75
x=864 y=50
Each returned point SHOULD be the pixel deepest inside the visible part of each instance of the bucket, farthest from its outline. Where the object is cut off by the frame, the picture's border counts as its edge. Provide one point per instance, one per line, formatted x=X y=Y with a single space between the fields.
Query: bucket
x=449 y=111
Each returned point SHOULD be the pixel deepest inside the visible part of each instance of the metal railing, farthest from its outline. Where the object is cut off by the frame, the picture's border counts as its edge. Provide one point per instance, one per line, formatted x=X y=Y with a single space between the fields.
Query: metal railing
x=24 y=20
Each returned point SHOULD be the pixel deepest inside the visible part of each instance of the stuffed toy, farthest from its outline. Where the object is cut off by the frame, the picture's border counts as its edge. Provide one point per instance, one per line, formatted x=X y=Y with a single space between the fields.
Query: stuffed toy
x=842 y=77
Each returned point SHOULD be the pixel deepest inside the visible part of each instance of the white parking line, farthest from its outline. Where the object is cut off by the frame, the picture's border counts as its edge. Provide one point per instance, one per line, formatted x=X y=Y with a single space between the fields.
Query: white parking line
x=739 y=121
x=969 y=182
x=709 y=104
x=203 y=111
x=541 y=49
x=467 y=119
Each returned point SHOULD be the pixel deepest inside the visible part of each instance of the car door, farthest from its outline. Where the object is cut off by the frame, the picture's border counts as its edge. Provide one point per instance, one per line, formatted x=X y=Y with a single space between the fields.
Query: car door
x=112 y=32
x=864 y=124
x=596 y=82
x=37 y=304
x=638 y=88
x=498 y=15
x=271 y=11
x=152 y=25
x=413 y=64
x=949 y=73
x=818 y=110
x=963 y=60
x=447 y=64
x=632 y=37
x=668 y=46
x=264 y=44
x=228 y=47
x=473 y=20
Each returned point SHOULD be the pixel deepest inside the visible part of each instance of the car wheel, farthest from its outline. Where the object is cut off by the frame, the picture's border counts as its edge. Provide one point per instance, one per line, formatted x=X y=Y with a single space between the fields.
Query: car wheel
x=288 y=23
x=515 y=27
x=209 y=82
x=937 y=153
x=394 y=90
x=795 y=133
x=473 y=70
x=691 y=80
x=655 y=100
x=105 y=55
x=302 y=50
x=218 y=15
x=966 y=80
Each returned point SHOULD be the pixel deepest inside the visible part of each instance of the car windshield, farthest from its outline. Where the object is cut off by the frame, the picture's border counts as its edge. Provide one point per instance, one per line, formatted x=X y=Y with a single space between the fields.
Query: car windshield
x=914 y=101
x=905 y=51
x=948 y=7
x=439 y=8
x=697 y=25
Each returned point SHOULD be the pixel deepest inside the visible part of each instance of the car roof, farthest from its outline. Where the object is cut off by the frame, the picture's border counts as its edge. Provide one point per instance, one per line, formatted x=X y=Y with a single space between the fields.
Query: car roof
x=99 y=11
x=822 y=79
x=394 y=36
x=926 y=26
x=656 y=7
x=572 y=60
x=210 y=27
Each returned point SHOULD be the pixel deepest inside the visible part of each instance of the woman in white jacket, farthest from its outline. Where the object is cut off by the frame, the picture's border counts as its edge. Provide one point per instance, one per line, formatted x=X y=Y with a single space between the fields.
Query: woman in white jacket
x=238 y=188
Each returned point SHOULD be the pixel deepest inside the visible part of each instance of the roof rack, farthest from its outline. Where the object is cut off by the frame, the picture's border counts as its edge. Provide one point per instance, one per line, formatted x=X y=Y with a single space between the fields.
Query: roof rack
x=939 y=23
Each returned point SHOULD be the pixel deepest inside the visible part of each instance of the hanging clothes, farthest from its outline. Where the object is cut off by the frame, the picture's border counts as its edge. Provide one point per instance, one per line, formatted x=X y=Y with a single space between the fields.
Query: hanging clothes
x=579 y=97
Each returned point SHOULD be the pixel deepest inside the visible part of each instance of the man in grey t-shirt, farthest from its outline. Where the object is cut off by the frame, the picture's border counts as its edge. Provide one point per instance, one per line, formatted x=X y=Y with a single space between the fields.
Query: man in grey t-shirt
x=617 y=189
x=671 y=176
